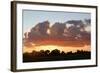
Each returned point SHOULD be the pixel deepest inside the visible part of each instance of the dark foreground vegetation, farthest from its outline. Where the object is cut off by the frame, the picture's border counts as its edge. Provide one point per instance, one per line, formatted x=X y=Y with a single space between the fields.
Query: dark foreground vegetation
x=55 y=55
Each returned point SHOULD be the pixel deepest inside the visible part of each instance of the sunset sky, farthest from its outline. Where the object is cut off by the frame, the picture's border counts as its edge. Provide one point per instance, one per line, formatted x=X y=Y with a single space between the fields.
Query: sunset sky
x=66 y=31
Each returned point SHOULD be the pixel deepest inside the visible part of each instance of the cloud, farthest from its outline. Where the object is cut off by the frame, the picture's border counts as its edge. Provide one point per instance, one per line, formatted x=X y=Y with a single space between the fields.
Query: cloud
x=41 y=28
x=38 y=32
x=75 y=22
x=71 y=33
x=27 y=43
x=57 y=29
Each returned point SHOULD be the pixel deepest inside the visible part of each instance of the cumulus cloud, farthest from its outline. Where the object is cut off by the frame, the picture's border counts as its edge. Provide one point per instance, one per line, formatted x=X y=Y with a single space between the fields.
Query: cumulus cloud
x=57 y=29
x=71 y=33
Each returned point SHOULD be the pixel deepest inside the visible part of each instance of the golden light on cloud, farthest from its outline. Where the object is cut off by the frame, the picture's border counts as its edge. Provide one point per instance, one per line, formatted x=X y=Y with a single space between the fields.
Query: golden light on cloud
x=88 y=29
x=48 y=31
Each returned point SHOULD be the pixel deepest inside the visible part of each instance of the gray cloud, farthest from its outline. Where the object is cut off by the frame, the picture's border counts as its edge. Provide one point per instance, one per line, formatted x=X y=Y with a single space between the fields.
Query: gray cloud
x=75 y=34
x=57 y=29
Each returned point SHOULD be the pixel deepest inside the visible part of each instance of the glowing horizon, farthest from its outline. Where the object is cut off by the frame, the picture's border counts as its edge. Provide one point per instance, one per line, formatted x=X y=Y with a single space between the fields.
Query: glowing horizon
x=52 y=47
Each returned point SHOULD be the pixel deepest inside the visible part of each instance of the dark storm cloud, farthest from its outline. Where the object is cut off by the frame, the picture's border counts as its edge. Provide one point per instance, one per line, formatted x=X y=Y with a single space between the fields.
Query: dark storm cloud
x=57 y=29
x=38 y=32
x=75 y=22
x=60 y=34
x=41 y=27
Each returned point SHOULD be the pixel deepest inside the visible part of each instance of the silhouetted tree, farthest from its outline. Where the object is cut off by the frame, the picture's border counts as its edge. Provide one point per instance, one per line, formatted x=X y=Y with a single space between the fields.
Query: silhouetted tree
x=42 y=52
x=69 y=53
x=46 y=55
x=63 y=53
x=55 y=52
x=47 y=52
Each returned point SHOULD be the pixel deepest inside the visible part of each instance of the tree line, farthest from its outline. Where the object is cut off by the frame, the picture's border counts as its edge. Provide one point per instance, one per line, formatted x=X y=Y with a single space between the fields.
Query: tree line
x=47 y=55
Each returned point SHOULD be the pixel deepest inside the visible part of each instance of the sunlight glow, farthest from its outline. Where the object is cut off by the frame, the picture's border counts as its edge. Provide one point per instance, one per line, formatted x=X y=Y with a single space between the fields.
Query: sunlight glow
x=88 y=29
x=61 y=48
x=48 y=31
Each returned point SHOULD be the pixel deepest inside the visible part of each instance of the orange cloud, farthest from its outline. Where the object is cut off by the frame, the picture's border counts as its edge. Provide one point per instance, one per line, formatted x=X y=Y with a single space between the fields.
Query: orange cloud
x=74 y=36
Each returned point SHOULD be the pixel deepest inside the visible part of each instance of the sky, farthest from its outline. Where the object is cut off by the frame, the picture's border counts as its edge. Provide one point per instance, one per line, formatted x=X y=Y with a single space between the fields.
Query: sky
x=32 y=17
x=41 y=31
